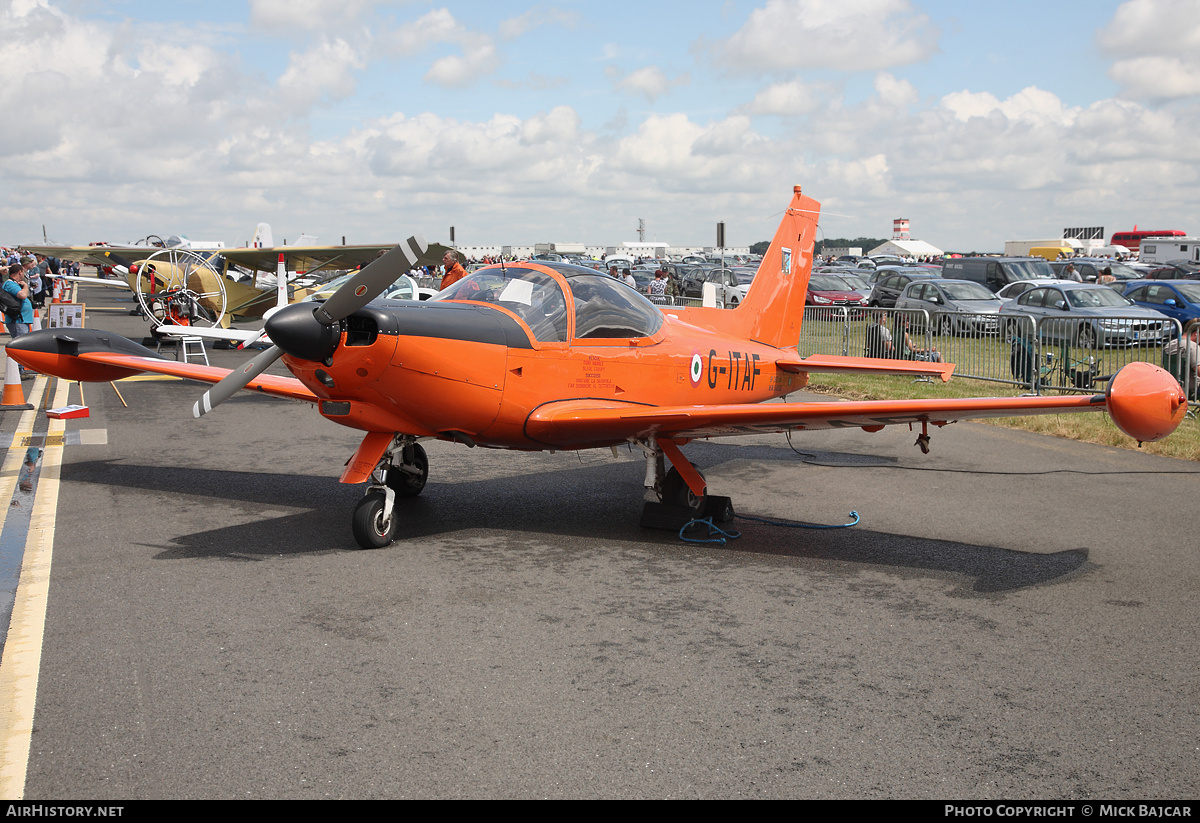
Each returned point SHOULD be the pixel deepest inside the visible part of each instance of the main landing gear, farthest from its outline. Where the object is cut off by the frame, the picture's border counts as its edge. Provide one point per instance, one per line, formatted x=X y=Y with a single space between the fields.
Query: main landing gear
x=401 y=472
x=679 y=494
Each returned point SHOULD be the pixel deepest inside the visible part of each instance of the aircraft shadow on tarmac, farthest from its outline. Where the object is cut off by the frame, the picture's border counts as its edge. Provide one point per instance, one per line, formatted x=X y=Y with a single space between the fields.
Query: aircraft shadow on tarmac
x=599 y=502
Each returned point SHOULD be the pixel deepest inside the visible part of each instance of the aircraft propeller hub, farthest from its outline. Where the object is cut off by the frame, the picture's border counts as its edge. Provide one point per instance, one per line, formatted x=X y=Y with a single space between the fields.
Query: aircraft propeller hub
x=296 y=331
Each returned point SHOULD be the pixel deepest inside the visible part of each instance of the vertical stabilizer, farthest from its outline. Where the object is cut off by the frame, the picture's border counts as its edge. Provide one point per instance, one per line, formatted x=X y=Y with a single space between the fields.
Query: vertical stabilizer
x=262 y=237
x=774 y=307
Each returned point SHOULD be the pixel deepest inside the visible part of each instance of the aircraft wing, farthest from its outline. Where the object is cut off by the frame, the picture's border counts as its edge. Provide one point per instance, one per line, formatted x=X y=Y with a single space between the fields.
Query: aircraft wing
x=319 y=258
x=108 y=282
x=95 y=255
x=297 y=258
x=571 y=423
x=96 y=356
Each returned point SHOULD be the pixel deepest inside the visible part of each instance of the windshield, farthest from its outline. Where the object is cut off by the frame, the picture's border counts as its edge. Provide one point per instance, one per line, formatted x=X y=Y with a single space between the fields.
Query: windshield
x=967 y=291
x=1122 y=272
x=1096 y=298
x=825 y=282
x=531 y=295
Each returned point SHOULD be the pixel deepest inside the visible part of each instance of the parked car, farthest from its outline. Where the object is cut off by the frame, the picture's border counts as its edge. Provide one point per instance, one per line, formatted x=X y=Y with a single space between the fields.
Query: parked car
x=643 y=277
x=954 y=306
x=830 y=292
x=1015 y=290
x=887 y=289
x=725 y=280
x=745 y=276
x=1089 y=268
x=852 y=282
x=994 y=273
x=1175 y=270
x=1178 y=299
x=1086 y=315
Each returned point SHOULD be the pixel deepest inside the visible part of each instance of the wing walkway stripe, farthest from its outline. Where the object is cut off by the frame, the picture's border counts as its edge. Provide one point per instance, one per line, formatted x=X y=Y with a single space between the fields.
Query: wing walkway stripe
x=23 y=649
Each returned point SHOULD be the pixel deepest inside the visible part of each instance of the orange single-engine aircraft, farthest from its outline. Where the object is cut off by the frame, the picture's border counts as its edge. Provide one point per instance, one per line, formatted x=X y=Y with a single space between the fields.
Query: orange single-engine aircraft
x=545 y=356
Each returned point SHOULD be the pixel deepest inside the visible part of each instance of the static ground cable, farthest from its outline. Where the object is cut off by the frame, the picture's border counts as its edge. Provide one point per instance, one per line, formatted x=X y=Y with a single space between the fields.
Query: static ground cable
x=853 y=522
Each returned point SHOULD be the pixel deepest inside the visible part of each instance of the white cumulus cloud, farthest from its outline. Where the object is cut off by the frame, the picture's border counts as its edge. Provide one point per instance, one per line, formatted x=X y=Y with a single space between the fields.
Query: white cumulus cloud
x=790 y=98
x=1157 y=46
x=851 y=35
x=648 y=81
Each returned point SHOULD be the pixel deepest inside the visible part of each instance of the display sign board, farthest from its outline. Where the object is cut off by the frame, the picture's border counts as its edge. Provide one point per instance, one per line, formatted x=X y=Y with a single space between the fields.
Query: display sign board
x=64 y=315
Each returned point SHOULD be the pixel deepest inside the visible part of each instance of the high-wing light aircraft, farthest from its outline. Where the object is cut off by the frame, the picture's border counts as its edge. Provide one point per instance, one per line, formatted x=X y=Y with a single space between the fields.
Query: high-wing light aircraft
x=171 y=269
x=546 y=356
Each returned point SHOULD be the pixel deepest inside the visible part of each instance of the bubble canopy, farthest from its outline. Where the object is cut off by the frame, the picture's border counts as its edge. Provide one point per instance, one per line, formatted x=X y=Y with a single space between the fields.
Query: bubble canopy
x=602 y=307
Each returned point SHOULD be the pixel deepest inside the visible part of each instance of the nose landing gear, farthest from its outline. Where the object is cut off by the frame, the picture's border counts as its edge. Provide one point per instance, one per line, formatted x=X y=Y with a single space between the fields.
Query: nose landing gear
x=401 y=472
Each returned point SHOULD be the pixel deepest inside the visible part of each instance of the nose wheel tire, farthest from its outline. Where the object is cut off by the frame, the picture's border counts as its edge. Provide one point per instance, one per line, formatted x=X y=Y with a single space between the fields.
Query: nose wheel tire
x=371 y=530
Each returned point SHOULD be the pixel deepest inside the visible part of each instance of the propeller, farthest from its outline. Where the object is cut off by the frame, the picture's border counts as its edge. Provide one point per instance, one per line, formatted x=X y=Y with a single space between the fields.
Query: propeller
x=307 y=331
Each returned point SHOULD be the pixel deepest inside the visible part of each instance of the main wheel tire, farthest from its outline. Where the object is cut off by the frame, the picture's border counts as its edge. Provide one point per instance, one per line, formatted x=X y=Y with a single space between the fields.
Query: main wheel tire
x=370 y=529
x=407 y=484
x=677 y=493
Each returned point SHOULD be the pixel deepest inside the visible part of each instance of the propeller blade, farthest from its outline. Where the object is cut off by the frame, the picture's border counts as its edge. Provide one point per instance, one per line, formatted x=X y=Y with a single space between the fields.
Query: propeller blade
x=373 y=279
x=236 y=380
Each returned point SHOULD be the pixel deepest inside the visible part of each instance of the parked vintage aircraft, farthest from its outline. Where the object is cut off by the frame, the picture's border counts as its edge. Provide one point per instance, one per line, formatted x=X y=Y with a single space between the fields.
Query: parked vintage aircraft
x=543 y=355
x=242 y=295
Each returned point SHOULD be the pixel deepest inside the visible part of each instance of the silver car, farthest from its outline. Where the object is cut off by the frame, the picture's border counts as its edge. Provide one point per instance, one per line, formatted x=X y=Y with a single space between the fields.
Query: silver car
x=954 y=306
x=1085 y=315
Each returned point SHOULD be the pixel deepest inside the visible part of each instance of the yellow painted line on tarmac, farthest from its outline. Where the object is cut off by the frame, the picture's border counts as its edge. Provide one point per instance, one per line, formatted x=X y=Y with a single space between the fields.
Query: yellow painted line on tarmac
x=23 y=649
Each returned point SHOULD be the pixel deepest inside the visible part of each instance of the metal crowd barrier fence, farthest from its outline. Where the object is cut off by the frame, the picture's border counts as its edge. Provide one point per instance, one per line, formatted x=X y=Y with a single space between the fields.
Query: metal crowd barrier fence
x=1058 y=354
x=862 y=332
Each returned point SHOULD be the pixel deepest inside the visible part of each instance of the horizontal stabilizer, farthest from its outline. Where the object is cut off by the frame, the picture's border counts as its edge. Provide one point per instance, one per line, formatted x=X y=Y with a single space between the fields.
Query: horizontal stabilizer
x=835 y=364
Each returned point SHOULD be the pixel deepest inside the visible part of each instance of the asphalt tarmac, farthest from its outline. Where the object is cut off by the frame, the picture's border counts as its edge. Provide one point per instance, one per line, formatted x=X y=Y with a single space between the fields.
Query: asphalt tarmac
x=1014 y=617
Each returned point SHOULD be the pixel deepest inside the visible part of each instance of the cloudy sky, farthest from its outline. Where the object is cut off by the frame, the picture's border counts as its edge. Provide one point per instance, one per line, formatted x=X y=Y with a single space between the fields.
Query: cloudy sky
x=527 y=122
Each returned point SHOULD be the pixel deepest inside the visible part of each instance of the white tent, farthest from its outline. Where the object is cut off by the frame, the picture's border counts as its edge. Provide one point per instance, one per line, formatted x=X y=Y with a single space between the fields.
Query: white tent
x=907 y=248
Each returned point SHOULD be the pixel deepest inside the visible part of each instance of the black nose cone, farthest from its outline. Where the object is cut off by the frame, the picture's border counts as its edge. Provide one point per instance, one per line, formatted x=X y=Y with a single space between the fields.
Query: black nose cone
x=295 y=330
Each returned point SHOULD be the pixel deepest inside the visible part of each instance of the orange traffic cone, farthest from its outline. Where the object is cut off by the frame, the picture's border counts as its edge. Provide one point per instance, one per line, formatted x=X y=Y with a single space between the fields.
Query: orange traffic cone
x=14 y=395
x=37 y=321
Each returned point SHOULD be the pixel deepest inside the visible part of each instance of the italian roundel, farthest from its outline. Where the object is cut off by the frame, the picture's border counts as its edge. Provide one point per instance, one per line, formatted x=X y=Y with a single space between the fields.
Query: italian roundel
x=697 y=368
